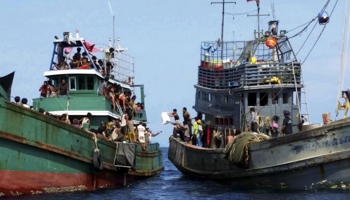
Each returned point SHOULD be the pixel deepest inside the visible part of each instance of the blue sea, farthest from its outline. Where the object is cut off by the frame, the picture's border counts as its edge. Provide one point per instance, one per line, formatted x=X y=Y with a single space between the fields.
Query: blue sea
x=171 y=184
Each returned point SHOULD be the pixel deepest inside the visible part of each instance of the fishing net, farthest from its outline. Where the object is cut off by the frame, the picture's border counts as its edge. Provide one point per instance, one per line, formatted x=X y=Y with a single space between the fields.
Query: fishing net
x=237 y=150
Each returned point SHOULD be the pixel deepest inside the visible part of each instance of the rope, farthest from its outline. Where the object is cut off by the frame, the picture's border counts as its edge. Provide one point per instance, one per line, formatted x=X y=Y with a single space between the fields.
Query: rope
x=321 y=31
x=95 y=140
x=306 y=39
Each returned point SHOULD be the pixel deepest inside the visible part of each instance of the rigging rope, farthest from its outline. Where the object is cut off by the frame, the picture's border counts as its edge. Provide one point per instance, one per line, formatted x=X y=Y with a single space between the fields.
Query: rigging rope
x=306 y=39
x=320 y=33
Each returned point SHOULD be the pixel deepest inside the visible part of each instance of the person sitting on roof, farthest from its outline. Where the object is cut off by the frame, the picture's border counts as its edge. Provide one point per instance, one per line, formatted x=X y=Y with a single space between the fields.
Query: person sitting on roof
x=75 y=123
x=17 y=100
x=24 y=103
x=62 y=64
x=85 y=64
x=85 y=122
x=75 y=62
x=94 y=60
x=64 y=118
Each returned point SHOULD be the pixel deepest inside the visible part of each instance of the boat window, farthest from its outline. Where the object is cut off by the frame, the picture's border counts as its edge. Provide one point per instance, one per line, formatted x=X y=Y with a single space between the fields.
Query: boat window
x=209 y=97
x=226 y=99
x=72 y=83
x=251 y=99
x=285 y=98
x=274 y=99
x=54 y=82
x=263 y=99
x=226 y=121
x=204 y=96
x=230 y=121
x=217 y=98
x=198 y=94
x=90 y=83
x=81 y=83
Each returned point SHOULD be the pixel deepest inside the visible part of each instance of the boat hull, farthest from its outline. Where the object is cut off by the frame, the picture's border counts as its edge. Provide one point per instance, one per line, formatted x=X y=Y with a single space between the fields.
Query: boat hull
x=317 y=158
x=25 y=169
x=39 y=154
x=149 y=162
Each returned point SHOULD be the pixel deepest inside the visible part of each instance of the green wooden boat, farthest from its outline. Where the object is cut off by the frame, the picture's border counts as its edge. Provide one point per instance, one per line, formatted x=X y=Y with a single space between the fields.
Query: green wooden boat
x=40 y=154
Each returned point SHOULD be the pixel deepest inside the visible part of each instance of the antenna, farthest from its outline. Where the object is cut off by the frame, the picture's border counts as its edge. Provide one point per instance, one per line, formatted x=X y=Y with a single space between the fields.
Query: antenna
x=222 y=24
x=113 y=23
x=258 y=5
x=273 y=9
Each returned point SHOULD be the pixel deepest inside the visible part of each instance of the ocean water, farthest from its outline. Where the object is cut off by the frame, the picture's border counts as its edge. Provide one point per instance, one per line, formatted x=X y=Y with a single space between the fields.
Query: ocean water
x=171 y=184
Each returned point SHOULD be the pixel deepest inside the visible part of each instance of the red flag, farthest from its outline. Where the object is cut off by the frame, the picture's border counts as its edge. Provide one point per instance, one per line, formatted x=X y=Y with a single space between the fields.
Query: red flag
x=90 y=46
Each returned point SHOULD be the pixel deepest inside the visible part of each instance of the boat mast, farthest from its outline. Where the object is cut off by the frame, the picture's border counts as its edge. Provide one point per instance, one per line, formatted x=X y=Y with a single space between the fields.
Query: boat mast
x=346 y=28
x=258 y=5
x=222 y=24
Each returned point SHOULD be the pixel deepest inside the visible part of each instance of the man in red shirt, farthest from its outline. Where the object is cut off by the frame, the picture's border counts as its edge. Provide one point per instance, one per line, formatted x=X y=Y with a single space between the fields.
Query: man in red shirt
x=44 y=89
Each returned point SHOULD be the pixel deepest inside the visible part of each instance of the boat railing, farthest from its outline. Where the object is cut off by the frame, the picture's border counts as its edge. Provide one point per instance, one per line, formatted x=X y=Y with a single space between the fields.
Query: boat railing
x=262 y=73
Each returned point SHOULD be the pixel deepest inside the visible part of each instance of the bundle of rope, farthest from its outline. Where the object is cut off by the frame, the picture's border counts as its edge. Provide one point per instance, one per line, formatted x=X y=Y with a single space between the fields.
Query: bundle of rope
x=237 y=150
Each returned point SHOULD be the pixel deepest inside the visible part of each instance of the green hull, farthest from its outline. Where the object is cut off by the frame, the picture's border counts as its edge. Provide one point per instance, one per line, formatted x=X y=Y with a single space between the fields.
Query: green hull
x=40 y=154
x=149 y=162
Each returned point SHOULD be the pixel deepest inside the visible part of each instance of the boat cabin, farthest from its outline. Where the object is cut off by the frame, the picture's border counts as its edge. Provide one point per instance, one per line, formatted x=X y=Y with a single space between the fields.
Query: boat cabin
x=236 y=76
x=84 y=81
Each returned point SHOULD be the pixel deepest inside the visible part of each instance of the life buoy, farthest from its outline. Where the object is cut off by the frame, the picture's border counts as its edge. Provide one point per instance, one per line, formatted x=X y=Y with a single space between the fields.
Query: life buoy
x=97 y=161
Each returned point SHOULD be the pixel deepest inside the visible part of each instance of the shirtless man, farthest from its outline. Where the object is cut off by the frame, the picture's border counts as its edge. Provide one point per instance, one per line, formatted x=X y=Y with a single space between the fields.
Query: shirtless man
x=51 y=89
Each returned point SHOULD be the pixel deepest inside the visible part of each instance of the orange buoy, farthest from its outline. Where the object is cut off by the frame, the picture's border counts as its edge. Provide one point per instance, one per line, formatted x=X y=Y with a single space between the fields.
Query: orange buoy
x=271 y=42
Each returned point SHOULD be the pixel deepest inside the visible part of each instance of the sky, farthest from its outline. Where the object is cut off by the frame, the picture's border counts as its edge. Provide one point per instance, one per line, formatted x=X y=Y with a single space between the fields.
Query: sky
x=164 y=37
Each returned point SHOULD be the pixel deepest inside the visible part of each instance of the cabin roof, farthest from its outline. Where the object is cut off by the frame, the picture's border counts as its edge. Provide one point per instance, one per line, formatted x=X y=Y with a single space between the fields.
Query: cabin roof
x=81 y=72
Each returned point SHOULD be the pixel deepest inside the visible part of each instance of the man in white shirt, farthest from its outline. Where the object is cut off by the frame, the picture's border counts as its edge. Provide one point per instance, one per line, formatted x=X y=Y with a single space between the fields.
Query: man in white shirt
x=141 y=136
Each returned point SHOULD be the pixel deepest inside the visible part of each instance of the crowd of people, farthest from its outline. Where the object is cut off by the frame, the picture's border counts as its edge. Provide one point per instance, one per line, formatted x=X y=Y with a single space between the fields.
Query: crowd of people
x=81 y=61
x=119 y=130
x=48 y=90
x=183 y=130
x=125 y=130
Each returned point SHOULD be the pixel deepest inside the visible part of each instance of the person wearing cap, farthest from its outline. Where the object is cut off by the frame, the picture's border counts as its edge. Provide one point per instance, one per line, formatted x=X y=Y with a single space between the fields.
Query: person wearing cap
x=287 y=124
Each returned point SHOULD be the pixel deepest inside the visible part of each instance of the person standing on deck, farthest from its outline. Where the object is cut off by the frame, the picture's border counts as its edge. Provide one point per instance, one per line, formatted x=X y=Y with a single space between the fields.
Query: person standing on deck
x=175 y=115
x=102 y=90
x=187 y=132
x=195 y=131
x=63 y=89
x=287 y=127
x=199 y=133
x=141 y=136
x=123 y=124
x=44 y=89
x=131 y=133
x=187 y=119
x=253 y=123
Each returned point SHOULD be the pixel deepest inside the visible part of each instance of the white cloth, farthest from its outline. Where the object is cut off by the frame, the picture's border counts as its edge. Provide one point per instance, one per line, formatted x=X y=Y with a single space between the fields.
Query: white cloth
x=25 y=105
x=165 y=117
x=141 y=132
x=123 y=122
x=114 y=134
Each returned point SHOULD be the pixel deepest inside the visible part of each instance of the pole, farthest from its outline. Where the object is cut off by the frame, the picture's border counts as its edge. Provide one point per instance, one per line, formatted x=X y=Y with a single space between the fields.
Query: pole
x=222 y=25
x=258 y=4
x=222 y=29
